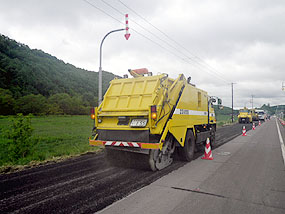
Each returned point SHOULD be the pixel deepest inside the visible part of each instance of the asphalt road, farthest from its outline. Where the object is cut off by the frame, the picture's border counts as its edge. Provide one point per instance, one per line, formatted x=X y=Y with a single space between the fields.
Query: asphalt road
x=84 y=184
x=247 y=175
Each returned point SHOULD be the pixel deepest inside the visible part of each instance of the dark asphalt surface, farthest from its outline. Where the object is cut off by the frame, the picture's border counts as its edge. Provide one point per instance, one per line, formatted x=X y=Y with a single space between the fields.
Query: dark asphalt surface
x=84 y=184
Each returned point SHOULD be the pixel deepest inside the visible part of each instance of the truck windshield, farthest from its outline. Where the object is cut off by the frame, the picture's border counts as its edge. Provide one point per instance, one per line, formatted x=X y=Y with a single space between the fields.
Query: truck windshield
x=244 y=110
x=260 y=113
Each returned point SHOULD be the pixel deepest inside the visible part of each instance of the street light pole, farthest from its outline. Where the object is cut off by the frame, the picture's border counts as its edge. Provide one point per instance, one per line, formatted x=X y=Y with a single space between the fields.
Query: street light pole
x=233 y=101
x=100 y=66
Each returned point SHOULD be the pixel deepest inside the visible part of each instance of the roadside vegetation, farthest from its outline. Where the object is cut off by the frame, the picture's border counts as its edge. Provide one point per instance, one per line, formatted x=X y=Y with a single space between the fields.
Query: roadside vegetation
x=224 y=116
x=32 y=81
x=223 y=120
x=34 y=139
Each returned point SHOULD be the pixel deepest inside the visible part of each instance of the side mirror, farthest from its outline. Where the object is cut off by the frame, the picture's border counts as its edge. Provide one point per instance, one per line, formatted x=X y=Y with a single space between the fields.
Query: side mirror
x=219 y=101
x=188 y=80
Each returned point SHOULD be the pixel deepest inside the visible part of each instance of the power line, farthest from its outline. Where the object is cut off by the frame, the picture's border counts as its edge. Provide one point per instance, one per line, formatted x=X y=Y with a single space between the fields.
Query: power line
x=206 y=64
x=92 y=5
x=156 y=43
x=132 y=29
x=141 y=26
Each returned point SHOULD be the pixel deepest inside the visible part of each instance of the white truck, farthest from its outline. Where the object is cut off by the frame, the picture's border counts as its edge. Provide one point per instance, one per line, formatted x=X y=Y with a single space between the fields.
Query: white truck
x=261 y=114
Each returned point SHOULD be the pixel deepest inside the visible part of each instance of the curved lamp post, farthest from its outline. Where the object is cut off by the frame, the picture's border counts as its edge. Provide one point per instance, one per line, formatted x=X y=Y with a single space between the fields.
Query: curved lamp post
x=100 y=66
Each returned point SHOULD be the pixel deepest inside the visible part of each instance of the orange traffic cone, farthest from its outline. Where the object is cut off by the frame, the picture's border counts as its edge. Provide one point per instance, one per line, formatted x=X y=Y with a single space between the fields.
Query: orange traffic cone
x=208 y=151
x=243 y=131
x=259 y=123
x=253 y=126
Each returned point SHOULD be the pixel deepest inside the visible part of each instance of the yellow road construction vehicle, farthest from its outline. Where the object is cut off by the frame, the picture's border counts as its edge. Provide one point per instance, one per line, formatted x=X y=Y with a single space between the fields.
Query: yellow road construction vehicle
x=244 y=116
x=149 y=118
x=254 y=115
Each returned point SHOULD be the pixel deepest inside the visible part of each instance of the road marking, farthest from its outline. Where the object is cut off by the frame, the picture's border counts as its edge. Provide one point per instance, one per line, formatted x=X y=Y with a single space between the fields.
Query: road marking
x=281 y=142
x=198 y=191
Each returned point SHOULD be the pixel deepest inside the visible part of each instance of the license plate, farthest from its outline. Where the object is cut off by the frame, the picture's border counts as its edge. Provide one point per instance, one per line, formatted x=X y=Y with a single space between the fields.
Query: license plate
x=138 y=122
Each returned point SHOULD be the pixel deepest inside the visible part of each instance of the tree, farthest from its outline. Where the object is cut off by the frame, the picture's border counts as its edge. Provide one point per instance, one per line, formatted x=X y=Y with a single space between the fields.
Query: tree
x=27 y=72
x=89 y=99
x=67 y=104
x=6 y=102
x=54 y=109
x=61 y=101
x=20 y=133
x=77 y=106
x=34 y=104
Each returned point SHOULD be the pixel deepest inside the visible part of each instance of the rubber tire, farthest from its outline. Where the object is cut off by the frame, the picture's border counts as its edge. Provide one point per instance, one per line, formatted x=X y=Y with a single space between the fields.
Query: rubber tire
x=151 y=160
x=187 y=152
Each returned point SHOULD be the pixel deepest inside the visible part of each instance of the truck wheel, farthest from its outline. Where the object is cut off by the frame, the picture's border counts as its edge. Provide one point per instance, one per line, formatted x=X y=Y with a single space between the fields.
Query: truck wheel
x=187 y=152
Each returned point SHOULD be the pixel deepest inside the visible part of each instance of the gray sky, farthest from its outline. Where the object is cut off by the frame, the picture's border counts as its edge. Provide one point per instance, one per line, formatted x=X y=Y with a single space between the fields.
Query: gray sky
x=214 y=42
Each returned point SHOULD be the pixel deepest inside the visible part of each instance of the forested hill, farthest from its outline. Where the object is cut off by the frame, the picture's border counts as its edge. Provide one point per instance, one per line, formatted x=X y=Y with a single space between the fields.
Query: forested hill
x=24 y=72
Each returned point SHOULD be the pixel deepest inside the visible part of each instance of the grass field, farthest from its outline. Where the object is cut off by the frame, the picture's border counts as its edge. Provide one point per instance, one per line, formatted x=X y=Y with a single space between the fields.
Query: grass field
x=224 y=119
x=58 y=136
x=54 y=136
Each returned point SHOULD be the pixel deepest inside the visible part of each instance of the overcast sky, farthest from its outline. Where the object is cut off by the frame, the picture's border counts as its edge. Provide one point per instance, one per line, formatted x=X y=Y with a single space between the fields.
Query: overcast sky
x=214 y=42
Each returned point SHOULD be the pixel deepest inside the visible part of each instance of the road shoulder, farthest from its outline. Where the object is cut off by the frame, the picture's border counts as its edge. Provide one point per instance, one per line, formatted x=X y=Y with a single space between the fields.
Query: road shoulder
x=228 y=184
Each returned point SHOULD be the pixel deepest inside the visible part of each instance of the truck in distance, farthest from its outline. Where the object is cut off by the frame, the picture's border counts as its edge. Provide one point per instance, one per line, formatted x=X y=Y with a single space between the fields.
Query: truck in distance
x=244 y=116
x=261 y=114
x=254 y=115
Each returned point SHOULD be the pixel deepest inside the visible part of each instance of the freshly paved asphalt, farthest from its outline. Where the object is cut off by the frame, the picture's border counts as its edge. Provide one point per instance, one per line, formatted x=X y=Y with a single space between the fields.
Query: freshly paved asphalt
x=84 y=184
x=247 y=175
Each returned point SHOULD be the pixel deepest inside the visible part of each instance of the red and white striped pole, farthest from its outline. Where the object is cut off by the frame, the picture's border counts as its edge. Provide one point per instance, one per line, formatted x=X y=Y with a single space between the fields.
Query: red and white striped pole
x=127 y=35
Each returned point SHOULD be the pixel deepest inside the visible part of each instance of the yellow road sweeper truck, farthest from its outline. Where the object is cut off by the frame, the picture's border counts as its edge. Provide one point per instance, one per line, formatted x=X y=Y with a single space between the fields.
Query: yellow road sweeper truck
x=244 y=116
x=153 y=117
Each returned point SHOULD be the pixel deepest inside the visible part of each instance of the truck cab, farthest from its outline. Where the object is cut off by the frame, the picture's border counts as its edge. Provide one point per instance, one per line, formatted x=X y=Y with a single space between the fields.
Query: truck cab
x=244 y=116
x=254 y=115
x=261 y=114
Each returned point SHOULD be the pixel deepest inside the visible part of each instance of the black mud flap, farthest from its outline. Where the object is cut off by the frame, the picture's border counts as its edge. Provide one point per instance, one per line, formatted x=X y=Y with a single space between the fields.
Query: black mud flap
x=124 y=135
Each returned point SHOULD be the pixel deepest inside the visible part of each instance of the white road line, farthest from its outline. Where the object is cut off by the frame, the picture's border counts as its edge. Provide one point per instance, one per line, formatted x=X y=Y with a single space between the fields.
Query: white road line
x=281 y=142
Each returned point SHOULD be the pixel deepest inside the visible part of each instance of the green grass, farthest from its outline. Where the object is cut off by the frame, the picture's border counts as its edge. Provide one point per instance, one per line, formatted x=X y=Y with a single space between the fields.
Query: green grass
x=54 y=136
x=58 y=136
x=224 y=119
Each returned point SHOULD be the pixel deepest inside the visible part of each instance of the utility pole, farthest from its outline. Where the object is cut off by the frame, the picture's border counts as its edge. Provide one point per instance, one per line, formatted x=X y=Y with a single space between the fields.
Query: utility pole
x=276 y=110
x=233 y=101
x=252 y=101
